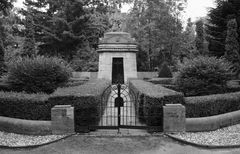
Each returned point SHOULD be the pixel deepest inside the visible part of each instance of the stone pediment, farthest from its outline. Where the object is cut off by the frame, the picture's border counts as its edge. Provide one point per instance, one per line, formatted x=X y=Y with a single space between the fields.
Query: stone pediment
x=117 y=38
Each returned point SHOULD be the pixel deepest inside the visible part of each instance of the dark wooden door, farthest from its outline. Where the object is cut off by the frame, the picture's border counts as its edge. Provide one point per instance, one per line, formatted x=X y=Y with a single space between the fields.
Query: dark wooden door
x=117 y=71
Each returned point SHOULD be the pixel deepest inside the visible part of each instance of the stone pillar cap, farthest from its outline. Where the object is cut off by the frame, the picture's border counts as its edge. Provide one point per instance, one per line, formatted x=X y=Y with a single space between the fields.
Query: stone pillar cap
x=117 y=38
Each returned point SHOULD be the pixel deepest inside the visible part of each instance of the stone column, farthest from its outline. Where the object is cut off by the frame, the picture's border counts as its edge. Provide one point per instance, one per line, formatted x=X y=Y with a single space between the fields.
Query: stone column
x=174 y=119
x=62 y=117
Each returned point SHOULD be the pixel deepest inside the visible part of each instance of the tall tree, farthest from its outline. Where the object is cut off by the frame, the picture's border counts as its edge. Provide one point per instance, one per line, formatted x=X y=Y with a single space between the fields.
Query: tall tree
x=156 y=29
x=29 y=49
x=232 y=44
x=200 y=36
x=64 y=26
x=217 y=24
x=5 y=6
x=187 y=47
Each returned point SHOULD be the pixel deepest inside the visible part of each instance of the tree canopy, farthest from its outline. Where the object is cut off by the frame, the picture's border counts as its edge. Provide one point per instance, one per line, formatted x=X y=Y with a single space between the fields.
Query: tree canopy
x=217 y=24
x=62 y=27
x=156 y=26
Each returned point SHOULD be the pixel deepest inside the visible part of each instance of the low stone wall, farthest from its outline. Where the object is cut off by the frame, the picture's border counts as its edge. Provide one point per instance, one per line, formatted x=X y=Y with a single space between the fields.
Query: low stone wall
x=28 y=127
x=213 y=122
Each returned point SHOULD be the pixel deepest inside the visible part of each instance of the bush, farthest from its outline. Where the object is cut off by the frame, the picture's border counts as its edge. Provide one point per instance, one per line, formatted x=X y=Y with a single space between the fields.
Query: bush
x=86 y=100
x=164 y=71
x=151 y=99
x=39 y=74
x=203 y=76
x=76 y=82
x=203 y=106
x=24 y=106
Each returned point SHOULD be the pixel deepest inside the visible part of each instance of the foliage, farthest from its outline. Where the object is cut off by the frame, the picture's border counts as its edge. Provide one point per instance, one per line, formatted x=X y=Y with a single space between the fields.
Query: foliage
x=39 y=74
x=200 y=37
x=187 y=46
x=217 y=24
x=85 y=60
x=5 y=5
x=62 y=27
x=232 y=44
x=2 y=50
x=164 y=71
x=7 y=38
x=85 y=99
x=152 y=98
x=204 y=106
x=156 y=28
x=161 y=80
x=24 y=106
x=203 y=75
x=29 y=49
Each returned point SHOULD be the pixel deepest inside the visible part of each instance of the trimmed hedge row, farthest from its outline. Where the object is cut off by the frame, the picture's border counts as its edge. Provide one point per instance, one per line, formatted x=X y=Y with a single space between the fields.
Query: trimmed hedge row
x=23 y=105
x=203 y=106
x=151 y=100
x=85 y=99
x=161 y=81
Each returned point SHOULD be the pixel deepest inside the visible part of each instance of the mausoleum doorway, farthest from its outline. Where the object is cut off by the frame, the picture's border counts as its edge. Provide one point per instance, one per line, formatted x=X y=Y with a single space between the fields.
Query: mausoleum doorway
x=117 y=71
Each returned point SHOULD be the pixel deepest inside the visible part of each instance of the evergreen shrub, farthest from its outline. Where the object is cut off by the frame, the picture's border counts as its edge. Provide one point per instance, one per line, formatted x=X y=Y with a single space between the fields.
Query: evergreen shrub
x=164 y=71
x=38 y=74
x=204 y=106
x=152 y=98
x=85 y=99
x=203 y=76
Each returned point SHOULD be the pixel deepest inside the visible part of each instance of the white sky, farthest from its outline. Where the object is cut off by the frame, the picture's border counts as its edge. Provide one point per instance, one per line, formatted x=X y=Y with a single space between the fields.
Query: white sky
x=195 y=8
x=198 y=8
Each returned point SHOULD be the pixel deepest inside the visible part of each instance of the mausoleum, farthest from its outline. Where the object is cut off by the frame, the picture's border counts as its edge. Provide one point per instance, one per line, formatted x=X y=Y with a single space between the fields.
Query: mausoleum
x=117 y=57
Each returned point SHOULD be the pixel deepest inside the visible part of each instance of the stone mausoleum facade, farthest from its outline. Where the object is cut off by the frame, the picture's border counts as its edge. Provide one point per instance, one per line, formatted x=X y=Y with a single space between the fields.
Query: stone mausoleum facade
x=117 y=57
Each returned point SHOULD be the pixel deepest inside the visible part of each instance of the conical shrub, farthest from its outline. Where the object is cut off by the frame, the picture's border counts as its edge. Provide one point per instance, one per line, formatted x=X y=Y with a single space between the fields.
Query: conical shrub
x=164 y=71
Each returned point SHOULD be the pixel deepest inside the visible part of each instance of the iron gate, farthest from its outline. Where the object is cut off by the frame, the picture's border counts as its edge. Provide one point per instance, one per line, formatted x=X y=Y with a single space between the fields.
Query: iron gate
x=119 y=109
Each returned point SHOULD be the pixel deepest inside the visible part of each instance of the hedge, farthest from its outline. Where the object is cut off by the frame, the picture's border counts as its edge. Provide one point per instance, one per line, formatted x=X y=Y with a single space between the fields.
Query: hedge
x=85 y=99
x=24 y=106
x=161 y=80
x=151 y=99
x=203 y=106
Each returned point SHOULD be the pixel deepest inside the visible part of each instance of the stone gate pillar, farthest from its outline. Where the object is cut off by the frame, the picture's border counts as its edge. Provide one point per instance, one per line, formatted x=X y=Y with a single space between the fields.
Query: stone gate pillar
x=117 y=57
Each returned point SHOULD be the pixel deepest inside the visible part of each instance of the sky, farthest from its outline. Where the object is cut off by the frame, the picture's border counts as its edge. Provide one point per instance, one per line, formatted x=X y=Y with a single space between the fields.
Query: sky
x=195 y=8
x=198 y=8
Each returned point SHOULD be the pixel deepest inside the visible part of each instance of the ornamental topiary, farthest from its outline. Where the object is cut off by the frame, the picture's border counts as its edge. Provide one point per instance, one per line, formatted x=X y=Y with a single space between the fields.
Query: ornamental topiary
x=39 y=74
x=203 y=76
x=164 y=71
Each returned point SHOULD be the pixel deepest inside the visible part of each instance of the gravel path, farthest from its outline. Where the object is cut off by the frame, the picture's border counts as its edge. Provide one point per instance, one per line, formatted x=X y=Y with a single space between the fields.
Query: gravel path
x=225 y=136
x=15 y=140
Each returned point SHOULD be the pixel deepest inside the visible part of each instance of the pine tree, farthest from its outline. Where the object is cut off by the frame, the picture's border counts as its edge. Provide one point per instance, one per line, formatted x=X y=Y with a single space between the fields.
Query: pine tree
x=232 y=44
x=63 y=26
x=200 y=37
x=216 y=28
x=29 y=49
x=2 y=51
